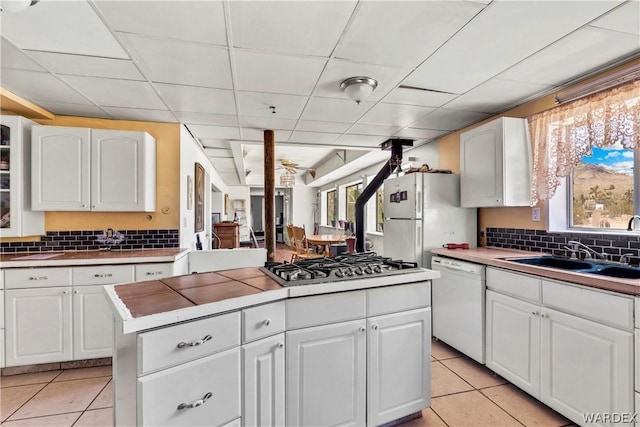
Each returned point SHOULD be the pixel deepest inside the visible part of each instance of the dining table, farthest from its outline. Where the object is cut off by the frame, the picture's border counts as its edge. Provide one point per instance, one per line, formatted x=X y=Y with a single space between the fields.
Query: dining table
x=326 y=240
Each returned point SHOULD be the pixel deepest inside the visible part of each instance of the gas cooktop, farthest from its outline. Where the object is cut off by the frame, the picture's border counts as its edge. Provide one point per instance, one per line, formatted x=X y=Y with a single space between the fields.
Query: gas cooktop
x=343 y=267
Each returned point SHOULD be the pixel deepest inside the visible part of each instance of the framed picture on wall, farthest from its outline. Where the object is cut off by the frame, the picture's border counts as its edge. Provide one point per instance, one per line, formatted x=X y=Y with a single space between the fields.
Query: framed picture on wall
x=215 y=217
x=189 y=192
x=199 y=198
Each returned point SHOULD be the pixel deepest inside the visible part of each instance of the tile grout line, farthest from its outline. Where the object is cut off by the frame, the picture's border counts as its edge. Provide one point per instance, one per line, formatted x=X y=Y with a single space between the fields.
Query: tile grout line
x=34 y=395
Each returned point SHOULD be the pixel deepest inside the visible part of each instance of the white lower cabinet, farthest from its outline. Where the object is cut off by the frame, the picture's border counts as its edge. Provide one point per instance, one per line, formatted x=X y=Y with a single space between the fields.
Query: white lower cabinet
x=263 y=382
x=326 y=375
x=398 y=365
x=198 y=393
x=38 y=325
x=92 y=323
x=2 y=348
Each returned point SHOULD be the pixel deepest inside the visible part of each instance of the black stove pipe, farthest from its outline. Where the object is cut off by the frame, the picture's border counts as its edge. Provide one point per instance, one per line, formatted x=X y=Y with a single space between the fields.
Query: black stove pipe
x=394 y=163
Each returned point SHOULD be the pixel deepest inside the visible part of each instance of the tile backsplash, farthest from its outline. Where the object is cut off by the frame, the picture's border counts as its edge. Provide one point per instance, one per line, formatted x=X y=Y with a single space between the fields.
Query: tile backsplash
x=86 y=241
x=543 y=241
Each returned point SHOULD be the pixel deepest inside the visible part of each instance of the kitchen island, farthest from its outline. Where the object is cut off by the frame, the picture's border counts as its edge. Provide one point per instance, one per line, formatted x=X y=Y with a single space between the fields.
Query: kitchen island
x=235 y=347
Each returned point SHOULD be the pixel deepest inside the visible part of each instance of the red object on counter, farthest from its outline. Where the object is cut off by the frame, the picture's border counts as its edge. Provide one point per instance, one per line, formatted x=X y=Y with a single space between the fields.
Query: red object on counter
x=456 y=245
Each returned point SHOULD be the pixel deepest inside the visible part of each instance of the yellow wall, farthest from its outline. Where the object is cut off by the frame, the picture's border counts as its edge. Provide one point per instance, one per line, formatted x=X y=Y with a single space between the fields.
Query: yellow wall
x=167 y=137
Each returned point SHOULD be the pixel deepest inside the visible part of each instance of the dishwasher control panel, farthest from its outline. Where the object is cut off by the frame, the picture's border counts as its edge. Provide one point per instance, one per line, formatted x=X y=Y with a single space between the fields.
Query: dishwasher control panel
x=454 y=264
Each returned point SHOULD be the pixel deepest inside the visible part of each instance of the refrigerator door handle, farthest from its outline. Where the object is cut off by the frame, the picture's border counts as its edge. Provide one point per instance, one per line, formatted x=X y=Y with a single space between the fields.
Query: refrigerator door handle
x=419 y=241
x=418 y=203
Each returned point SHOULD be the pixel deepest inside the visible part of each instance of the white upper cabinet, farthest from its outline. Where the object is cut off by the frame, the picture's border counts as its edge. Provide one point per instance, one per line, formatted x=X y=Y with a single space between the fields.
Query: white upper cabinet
x=495 y=164
x=80 y=169
x=16 y=217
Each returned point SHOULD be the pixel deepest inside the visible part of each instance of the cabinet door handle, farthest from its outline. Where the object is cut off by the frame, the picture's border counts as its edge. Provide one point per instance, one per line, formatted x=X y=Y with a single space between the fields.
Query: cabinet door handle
x=544 y=315
x=280 y=345
x=76 y=292
x=362 y=329
x=535 y=313
x=374 y=326
x=38 y=278
x=103 y=275
x=195 y=343
x=65 y=292
x=195 y=403
x=266 y=322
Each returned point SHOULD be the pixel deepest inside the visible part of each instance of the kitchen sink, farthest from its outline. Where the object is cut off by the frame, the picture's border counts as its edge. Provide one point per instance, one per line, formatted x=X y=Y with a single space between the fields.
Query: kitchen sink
x=620 y=272
x=556 y=262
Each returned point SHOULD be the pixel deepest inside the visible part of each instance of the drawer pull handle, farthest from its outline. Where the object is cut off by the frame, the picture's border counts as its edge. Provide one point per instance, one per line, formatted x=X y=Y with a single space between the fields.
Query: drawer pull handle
x=103 y=275
x=153 y=273
x=195 y=403
x=38 y=278
x=267 y=322
x=196 y=343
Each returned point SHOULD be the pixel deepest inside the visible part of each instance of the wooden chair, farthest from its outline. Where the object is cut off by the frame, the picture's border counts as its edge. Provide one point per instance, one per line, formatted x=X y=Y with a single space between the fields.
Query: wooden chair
x=301 y=246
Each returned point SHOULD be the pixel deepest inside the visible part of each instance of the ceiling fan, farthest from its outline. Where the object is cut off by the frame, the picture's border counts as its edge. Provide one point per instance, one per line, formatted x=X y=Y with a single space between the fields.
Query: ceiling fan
x=292 y=167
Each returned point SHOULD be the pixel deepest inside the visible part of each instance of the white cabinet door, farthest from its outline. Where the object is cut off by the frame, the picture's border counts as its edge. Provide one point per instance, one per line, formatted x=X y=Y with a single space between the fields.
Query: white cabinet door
x=60 y=168
x=513 y=341
x=92 y=323
x=263 y=392
x=398 y=367
x=38 y=325
x=586 y=367
x=122 y=171
x=326 y=375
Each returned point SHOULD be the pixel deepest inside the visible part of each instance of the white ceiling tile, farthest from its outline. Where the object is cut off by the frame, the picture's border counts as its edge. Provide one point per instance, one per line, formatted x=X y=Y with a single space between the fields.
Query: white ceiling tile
x=201 y=21
x=218 y=152
x=198 y=99
x=494 y=40
x=215 y=132
x=63 y=109
x=206 y=119
x=442 y=119
x=292 y=75
x=249 y=134
x=402 y=32
x=313 y=137
x=256 y=104
x=625 y=18
x=426 y=98
x=301 y=27
x=180 y=62
x=267 y=123
x=338 y=70
x=334 y=110
x=12 y=57
x=374 y=129
x=349 y=140
x=140 y=114
x=416 y=133
x=580 y=52
x=93 y=66
x=330 y=127
x=61 y=26
x=394 y=114
x=36 y=86
x=214 y=143
x=117 y=93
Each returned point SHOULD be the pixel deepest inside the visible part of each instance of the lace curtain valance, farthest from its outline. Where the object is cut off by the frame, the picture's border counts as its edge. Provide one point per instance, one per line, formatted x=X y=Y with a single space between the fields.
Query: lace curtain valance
x=563 y=135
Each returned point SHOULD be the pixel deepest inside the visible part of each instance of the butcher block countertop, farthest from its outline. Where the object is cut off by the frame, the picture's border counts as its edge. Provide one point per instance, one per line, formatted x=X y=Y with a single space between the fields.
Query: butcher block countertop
x=498 y=257
x=70 y=258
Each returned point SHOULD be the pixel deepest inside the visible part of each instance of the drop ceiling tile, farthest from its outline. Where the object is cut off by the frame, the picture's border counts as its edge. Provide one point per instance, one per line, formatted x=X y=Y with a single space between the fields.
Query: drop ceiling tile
x=198 y=99
x=218 y=152
x=330 y=127
x=338 y=70
x=206 y=119
x=201 y=21
x=117 y=93
x=449 y=120
x=416 y=133
x=373 y=129
x=214 y=143
x=313 y=137
x=349 y=140
x=61 y=26
x=426 y=98
x=308 y=28
x=334 y=110
x=394 y=114
x=265 y=123
x=140 y=114
x=494 y=40
x=249 y=134
x=36 y=86
x=12 y=57
x=291 y=75
x=63 y=109
x=256 y=104
x=215 y=132
x=402 y=32
x=92 y=66
x=584 y=50
x=625 y=18
x=179 y=62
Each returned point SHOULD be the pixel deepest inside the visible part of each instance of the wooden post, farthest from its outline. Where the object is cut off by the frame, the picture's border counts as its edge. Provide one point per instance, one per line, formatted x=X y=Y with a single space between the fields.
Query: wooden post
x=269 y=194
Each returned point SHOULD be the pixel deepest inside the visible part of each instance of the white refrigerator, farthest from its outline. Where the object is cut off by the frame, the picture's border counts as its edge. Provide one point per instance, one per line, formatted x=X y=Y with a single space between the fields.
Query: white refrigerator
x=422 y=211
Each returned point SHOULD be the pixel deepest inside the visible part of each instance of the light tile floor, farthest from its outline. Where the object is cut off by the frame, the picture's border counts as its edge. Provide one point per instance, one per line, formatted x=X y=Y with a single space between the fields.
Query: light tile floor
x=464 y=393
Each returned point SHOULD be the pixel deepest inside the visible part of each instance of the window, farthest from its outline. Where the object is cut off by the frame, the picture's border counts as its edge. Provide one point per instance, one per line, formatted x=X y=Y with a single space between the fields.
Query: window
x=332 y=207
x=379 y=209
x=352 y=193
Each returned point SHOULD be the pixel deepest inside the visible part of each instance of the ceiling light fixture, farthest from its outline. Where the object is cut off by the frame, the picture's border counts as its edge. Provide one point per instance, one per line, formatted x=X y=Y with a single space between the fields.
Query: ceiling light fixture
x=16 y=5
x=358 y=88
x=287 y=180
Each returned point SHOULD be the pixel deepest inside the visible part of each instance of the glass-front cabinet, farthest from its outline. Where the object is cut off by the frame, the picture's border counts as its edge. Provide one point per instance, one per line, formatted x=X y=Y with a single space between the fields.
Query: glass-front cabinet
x=16 y=217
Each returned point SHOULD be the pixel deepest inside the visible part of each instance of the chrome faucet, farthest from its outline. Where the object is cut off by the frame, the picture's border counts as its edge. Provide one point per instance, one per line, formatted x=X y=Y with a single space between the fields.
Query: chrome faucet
x=630 y=225
x=624 y=258
x=590 y=253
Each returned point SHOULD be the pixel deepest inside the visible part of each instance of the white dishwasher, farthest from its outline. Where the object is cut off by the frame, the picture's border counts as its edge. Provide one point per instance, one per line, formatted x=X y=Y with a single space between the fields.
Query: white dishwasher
x=458 y=305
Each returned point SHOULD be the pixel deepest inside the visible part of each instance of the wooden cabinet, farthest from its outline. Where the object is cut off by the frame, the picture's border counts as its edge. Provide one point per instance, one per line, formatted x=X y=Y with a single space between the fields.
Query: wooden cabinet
x=80 y=169
x=227 y=235
x=16 y=217
x=495 y=164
